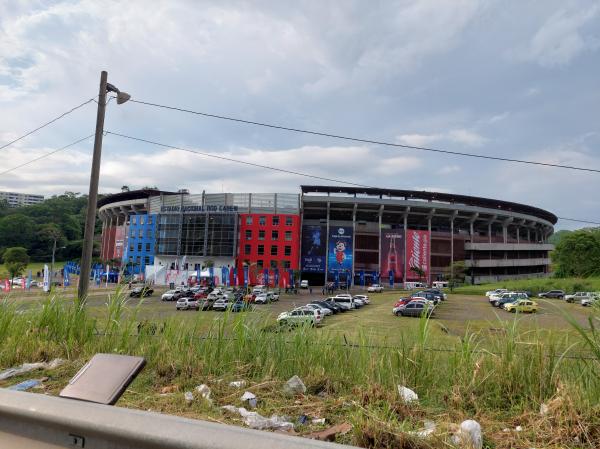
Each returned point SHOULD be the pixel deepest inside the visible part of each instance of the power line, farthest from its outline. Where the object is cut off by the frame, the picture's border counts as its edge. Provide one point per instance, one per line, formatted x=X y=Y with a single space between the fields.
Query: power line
x=48 y=123
x=268 y=167
x=46 y=155
x=307 y=175
x=356 y=139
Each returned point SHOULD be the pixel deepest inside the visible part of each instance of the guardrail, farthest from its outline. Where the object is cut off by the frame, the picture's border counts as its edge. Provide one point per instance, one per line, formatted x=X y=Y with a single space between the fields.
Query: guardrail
x=36 y=421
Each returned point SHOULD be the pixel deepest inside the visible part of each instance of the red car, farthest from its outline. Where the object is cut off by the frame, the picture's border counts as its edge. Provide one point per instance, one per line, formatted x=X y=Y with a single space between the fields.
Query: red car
x=200 y=295
x=402 y=302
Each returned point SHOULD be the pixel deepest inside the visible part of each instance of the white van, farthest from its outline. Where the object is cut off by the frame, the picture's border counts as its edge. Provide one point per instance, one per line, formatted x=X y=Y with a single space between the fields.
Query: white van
x=440 y=284
x=343 y=300
x=412 y=285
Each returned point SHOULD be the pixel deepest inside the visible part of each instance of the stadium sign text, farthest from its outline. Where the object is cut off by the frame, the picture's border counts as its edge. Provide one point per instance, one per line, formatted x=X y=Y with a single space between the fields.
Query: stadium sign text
x=198 y=208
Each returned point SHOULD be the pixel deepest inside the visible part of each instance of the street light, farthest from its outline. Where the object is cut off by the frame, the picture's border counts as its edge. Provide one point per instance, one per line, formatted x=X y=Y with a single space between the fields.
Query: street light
x=90 y=218
x=54 y=248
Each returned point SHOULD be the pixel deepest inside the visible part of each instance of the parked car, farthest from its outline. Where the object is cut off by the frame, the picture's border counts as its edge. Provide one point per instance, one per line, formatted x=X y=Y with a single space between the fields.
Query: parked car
x=297 y=317
x=344 y=301
x=578 y=297
x=187 y=304
x=417 y=308
x=508 y=297
x=141 y=292
x=375 y=288
x=435 y=299
x=399 y=305
x=363 y=298
x=257 y=290
x=443 y=296
x=205 y=303
x=496 y=291
x=557 y=294
x=240 y=306
x=440 y=284
x=170 y=295
x=335 y=308
x=215 y=295
x=325 y=311
x=304 y=284
x=586 y=302
x=316 y=312
x=221 y=304
x=262 y=298
x=274 y=296
x=522 y=306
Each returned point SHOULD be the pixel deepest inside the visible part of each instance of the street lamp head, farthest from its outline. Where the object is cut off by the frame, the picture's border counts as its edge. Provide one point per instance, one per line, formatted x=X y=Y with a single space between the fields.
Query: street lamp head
x=122 y=97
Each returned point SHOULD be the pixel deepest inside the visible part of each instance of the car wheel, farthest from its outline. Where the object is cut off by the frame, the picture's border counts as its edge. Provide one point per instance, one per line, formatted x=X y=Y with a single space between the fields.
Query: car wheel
x=513 y=310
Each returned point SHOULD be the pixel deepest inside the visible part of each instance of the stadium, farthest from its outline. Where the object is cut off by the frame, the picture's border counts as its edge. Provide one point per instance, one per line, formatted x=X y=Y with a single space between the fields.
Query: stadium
x=323 y=234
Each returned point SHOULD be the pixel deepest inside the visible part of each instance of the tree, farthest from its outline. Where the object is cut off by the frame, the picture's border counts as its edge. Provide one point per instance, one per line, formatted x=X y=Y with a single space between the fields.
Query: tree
x=15 y=260
x=578 y=254
x=125 y=189
x=455 y=273
x=17 y=230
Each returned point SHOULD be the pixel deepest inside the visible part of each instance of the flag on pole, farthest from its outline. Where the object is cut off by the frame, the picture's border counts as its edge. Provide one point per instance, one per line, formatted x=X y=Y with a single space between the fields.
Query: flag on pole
x=246 y=273
x=276 y=277
x=29 y=276
x=66 y=280
x=46 y=279
x=266 y=276
x=391 y=274
x=235 y=277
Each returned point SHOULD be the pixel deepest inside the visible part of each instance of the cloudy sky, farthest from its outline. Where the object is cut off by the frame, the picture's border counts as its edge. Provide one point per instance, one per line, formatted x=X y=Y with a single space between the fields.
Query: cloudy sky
x=517 y=79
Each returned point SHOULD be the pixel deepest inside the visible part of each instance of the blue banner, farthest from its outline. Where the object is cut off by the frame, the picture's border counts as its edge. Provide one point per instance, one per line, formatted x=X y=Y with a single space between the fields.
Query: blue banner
x=266 y=276
x=391 y=275
x=339 y=258
x=29 y=275
x=314 y=238
x=361 y=276
x=246 y=274
x=292 y=281
x=224 y=275
x=211 y=274
x=276 y=277
x=235 y=277
x=66 y=279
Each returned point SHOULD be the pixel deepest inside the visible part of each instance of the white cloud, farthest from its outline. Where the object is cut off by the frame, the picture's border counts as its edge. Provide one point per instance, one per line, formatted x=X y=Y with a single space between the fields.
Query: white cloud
x=449 y=169
x=562 y=37
x=460 y=136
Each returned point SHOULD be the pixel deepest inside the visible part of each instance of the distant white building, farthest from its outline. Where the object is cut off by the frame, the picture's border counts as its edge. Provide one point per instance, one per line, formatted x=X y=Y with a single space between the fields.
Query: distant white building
x=20 y=199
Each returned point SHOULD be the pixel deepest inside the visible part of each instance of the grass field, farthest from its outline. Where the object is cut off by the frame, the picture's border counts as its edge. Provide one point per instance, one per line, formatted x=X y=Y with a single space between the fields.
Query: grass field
x=471 y=361
x=535 y=286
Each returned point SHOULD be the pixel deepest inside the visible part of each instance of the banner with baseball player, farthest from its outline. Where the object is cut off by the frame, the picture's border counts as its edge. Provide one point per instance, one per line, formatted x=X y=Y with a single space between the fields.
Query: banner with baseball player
x=340 y=251
x=418 y=253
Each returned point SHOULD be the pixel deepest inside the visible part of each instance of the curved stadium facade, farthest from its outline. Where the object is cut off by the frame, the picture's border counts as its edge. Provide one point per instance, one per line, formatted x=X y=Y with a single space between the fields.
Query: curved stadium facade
x=328 y=233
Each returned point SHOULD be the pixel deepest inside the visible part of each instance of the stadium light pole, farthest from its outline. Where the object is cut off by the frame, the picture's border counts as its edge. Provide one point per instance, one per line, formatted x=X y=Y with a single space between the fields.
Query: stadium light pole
x=90 y=217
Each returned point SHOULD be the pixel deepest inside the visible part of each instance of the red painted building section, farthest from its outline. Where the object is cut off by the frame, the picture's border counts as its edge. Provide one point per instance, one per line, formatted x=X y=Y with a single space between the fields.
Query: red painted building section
x=268 y=241
x=112 y=243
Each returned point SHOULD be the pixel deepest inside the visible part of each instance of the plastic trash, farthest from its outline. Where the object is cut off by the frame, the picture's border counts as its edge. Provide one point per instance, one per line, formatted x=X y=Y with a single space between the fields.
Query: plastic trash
x=318 y=421
x=469 y=435
x=518 y=429
x=259 y=422
x=407 y=394
x=238 y=384
x=189 y=396
x=294 y=386
x=25 y=385
x=302 y=419
x=428 y=429
x=204 y=391
x=544 y=409
x=250 y=399
x=27 y=367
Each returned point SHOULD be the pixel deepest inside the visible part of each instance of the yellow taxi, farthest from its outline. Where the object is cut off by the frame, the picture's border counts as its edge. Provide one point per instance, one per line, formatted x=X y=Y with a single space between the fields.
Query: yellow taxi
x=522 y=306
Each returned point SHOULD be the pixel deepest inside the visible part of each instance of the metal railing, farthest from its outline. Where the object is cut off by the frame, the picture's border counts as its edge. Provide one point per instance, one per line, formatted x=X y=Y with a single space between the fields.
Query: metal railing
x=35 y=421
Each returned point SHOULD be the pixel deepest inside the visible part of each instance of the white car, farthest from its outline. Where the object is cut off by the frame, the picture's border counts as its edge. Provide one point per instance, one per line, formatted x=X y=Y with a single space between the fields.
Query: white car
x=215 y=295
x=259 y=289
x=324 y=310
x=168 y=295
x=358 y=302
x=297 y=317
x=344 y=301
x=589 y=301
x=317 y=313
x=304 y=284
x=375 y=288
x=498 y=291
x=262 y=298
x=221 y=304
x=187 y=304
x=363 y=298
x=579 y=296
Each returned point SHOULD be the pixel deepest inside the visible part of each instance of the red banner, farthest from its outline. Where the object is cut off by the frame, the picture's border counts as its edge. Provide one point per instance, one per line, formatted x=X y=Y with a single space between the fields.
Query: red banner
x=417 y=254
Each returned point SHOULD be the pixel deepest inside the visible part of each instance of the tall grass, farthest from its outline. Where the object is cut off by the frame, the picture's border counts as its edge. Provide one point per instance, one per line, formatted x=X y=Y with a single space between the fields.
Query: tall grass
x=517 y=371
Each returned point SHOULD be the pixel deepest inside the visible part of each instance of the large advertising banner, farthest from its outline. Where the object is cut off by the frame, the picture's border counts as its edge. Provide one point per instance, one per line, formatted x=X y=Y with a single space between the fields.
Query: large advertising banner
x=392 y=253
x=339 y=258
x=119 y=242
x=314 y=240
x=417 y=254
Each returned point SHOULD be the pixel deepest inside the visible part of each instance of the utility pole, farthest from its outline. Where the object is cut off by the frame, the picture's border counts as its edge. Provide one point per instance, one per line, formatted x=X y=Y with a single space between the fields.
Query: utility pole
x=90 y=216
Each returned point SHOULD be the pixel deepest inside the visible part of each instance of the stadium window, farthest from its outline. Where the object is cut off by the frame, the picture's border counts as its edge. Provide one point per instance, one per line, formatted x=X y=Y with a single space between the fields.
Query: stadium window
x=141 y=219
x=139 y=247
x=147 y=247
x=133 y=219
x=131 y=248
x=247 y=249
x=274 y=235
x=261 y=235
x=287 y=264
x=132 y=233
x=262 y=220
x=288 y=220
x=248 y=234
x=261 y=250
x=287 y=251
x=249 y=220
x=259 y=264
x=141 y=233
x=147 y=260
x=149 y=219
x=288 y=235
x=273 y=250
x=273 y=264
x=275 y=220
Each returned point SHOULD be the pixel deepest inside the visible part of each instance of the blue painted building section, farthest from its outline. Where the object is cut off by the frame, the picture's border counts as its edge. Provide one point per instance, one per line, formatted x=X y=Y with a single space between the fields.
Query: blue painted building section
x=140 y=240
